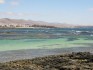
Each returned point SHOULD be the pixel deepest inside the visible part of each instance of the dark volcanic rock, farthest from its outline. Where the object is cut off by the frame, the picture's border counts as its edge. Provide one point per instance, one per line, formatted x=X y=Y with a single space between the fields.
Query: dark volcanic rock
x=73 y=61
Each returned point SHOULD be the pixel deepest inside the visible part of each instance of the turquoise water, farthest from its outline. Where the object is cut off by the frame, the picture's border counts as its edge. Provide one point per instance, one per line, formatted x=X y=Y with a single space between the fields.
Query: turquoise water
x=42 y=44
x=16 y=39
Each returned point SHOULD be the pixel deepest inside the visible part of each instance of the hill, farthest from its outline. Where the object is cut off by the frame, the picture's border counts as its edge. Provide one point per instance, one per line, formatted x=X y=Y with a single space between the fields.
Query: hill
x=6 y=22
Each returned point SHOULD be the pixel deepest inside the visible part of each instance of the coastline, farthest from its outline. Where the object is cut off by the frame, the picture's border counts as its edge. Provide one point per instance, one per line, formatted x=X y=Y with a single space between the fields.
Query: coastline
x=67 y=61
x=6 y=56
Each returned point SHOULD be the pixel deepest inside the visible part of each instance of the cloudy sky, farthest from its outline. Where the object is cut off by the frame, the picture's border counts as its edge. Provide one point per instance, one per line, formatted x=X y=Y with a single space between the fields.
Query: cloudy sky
x=62 y=11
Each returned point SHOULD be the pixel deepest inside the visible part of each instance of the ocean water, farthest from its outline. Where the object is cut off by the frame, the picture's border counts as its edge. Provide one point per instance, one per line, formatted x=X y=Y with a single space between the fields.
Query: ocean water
x=45 y=38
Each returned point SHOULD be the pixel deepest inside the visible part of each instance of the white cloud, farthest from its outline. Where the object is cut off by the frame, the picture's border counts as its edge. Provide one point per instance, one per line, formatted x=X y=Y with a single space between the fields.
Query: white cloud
x=2 y=1
x=13 y=14
x=90 y=9
x=14 y=3
x=9 y=13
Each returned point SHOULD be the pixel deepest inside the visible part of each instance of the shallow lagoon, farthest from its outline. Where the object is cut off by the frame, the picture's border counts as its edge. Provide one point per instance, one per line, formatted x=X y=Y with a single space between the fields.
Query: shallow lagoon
x=42 y=44
x=17 y=44
x=40 y=38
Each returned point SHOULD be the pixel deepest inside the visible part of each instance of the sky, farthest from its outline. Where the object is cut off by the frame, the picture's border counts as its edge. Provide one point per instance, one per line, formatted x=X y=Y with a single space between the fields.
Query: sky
x=53 y=11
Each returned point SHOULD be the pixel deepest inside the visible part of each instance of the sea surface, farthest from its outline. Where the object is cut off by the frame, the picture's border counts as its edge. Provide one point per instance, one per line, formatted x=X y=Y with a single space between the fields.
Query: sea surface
x=25 y=43
x=45 y=38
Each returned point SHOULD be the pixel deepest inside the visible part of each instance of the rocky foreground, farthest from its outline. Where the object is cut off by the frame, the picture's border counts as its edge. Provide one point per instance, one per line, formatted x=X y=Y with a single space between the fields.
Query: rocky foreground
x=73 y=61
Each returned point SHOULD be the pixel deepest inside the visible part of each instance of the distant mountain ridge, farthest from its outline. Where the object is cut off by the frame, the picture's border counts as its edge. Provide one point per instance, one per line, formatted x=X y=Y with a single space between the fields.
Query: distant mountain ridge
x=6 y=22
x=29 y=23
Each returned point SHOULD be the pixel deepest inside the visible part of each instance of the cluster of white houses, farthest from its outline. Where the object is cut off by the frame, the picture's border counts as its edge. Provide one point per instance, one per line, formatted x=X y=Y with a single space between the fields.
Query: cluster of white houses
x=15 y=26
x=25 y=26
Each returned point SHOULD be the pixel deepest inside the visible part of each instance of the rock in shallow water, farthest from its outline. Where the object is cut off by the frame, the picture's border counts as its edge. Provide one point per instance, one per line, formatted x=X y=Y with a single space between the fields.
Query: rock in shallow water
x=73 y=61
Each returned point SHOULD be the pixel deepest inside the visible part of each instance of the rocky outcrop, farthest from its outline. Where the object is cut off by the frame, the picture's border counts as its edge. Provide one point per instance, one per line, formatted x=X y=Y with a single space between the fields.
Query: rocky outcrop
x=73 y=61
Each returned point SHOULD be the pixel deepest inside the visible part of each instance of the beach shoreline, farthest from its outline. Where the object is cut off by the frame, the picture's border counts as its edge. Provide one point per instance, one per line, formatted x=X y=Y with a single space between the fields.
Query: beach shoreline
x=67 y=61
x=6 y=56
